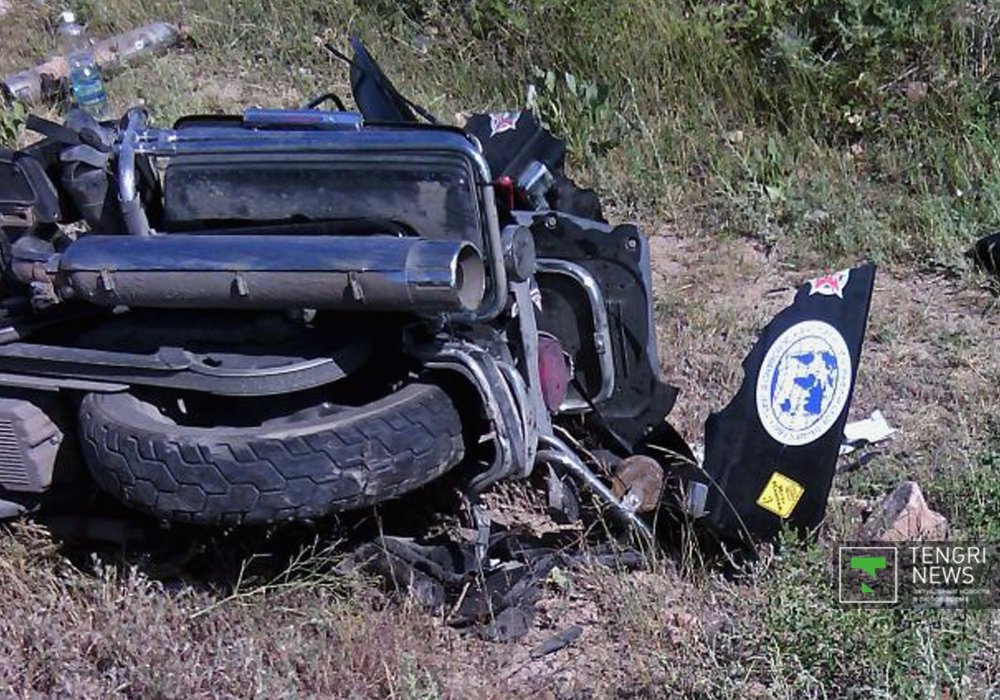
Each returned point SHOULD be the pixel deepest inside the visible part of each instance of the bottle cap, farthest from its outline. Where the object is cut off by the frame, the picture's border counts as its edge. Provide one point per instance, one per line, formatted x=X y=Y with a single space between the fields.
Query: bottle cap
x=68 y=17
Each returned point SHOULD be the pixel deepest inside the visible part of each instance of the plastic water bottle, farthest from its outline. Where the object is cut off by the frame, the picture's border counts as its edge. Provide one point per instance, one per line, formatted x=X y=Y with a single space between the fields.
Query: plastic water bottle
x=84 y=73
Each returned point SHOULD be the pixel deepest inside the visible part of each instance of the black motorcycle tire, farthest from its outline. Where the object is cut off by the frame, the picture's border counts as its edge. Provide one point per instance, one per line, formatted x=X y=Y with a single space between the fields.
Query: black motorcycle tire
x=279 y=471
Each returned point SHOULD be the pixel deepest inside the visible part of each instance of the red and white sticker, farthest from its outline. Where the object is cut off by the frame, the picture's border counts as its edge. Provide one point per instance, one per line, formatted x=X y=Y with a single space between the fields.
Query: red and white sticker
x=503 y=121
x=830 y=285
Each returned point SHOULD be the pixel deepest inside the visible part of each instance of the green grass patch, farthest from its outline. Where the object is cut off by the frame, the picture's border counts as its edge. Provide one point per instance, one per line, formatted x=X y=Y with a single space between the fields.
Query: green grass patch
x=855 y=128
x=970 y=496
x=814 y=647
x=11 y=121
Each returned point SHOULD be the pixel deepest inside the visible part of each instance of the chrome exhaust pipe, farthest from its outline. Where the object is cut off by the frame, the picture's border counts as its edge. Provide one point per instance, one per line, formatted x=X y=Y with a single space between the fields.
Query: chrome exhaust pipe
x=377 y=273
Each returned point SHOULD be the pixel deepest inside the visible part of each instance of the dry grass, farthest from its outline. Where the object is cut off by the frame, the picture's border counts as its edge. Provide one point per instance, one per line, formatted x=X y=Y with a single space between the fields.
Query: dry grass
x=113 y=632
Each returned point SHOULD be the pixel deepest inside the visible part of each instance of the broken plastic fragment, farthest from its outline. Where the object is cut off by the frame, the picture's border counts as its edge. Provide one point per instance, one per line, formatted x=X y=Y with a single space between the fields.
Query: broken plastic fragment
x=868 y=431
x=770 y=455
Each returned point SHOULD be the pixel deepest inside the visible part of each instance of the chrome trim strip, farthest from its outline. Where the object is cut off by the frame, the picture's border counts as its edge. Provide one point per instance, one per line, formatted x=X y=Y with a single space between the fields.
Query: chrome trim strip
x=602 y=332
x=257 y=117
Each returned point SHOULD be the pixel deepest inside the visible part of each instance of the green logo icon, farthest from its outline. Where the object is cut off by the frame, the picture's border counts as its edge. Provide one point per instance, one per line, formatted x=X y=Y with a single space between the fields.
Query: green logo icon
x=871 y=566
x=868 y=575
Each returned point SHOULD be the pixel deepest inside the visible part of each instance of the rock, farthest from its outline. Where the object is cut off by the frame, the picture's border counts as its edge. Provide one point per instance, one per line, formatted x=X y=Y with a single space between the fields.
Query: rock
x=904 y=516
x=916 y=91
x=734 y=137
x=638 y=483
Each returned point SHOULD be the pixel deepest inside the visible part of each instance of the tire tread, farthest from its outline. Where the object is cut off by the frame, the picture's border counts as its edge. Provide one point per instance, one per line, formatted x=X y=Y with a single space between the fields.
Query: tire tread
x=351 y=459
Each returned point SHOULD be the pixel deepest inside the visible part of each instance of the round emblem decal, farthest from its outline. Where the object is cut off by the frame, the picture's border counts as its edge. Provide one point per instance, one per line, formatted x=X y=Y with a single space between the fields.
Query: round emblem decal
x=804 y=383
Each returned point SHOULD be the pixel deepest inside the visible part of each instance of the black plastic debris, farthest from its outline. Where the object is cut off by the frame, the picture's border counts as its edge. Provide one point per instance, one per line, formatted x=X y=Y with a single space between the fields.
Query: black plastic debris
x=771 y=454
x=496 y=598
x=563 y=501
x=557 y=642
x=423 y=571
x=986 y=253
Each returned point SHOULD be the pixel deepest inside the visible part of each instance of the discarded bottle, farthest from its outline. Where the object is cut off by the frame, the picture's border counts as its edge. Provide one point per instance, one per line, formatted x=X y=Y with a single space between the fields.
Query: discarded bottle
x=29 y=85
x=84 y=73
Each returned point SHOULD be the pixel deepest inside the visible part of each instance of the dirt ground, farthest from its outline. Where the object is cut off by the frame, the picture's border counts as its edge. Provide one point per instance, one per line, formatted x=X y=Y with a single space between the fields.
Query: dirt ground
x=672 y=630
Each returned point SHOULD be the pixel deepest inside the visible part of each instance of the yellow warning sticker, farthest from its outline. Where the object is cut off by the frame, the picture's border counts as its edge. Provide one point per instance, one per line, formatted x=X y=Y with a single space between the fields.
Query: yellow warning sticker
x=780 y=496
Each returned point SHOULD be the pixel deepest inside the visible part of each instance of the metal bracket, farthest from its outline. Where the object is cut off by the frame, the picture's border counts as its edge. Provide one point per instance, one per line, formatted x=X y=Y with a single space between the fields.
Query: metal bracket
x=503 y=401
x=558 y=452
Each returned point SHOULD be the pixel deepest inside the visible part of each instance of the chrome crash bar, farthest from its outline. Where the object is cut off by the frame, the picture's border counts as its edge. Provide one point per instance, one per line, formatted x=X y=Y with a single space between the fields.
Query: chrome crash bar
x=136 y=222
x=602 y=332
x=509 y=409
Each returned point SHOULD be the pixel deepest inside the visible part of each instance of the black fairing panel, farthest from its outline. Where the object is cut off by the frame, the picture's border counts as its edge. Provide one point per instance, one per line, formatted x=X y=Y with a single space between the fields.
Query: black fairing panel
x=618 y=258
x=27 y=195
x=750 y=471
x=510 y=151
x=373 y=92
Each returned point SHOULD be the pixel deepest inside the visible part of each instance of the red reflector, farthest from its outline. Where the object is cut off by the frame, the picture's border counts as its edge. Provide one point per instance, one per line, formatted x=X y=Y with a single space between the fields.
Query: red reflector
x=504 y=189
x=553 y=372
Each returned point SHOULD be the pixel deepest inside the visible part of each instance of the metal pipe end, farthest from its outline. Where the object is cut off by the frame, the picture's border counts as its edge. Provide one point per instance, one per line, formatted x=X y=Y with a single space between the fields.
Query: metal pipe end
x=470 y=277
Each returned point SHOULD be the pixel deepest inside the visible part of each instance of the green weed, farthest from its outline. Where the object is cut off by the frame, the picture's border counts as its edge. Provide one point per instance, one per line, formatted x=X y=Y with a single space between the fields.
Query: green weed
x=815 y=647
x=11 y=121
x=970 y=496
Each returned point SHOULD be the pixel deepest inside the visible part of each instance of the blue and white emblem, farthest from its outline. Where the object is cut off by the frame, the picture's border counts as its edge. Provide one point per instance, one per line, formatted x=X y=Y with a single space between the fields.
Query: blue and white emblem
x=804 y=383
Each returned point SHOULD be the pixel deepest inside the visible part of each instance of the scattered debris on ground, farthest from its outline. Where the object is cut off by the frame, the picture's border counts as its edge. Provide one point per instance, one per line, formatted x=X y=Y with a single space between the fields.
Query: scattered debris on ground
x=557 y=642
x=495 y=594
x=869 y=431
x=43 y=81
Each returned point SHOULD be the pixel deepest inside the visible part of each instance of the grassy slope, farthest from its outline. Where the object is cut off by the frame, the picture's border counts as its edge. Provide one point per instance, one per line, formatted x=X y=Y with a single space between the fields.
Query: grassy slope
x=799 y=129
x=854 y=125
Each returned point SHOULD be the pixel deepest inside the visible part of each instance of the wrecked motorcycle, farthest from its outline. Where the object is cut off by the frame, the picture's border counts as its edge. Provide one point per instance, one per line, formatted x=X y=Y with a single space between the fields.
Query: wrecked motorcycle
x=285 y=314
